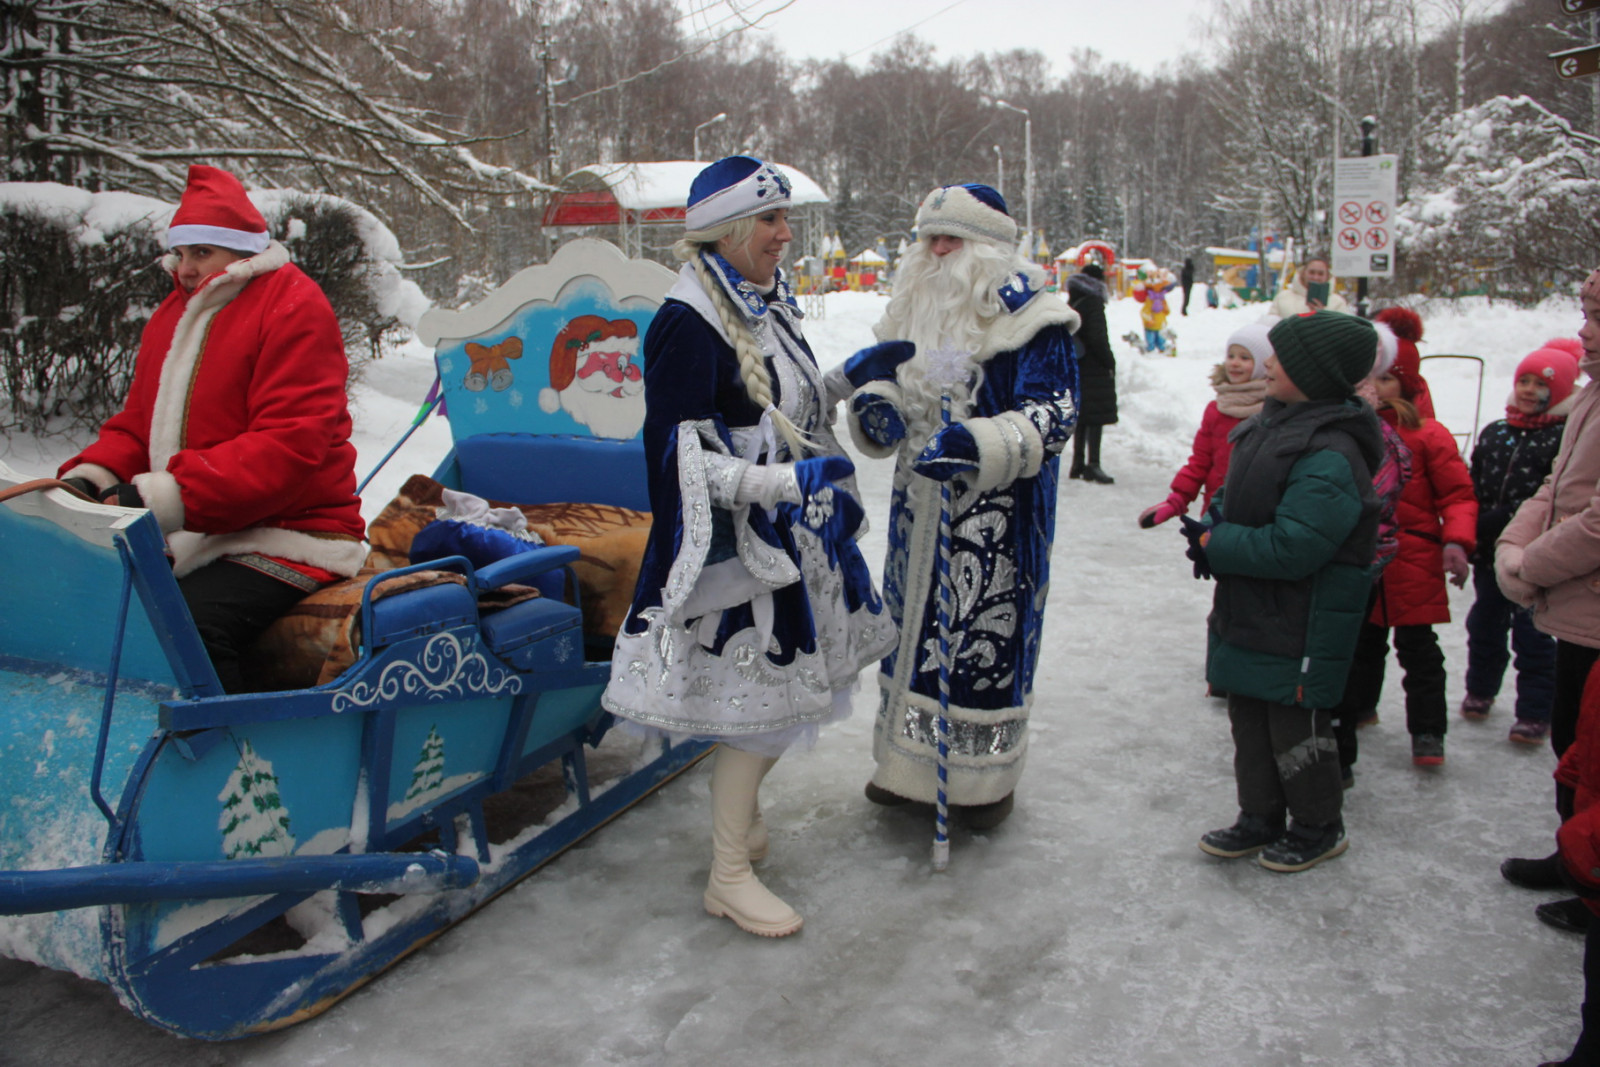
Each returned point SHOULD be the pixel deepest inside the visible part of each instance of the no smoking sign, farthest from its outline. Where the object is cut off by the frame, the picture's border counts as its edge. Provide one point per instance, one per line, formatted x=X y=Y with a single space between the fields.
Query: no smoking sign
x=1363 y=197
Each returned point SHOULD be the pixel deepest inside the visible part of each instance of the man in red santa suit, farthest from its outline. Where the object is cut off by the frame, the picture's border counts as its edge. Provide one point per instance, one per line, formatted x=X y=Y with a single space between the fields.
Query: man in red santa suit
x=235 y=433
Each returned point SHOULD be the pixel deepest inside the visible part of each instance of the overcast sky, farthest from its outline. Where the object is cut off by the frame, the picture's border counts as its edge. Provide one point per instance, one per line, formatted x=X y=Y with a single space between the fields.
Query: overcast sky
x=1142 y=35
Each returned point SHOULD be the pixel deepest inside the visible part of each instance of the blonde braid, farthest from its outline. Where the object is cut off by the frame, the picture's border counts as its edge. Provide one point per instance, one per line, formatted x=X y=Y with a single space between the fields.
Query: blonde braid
x=752 y=361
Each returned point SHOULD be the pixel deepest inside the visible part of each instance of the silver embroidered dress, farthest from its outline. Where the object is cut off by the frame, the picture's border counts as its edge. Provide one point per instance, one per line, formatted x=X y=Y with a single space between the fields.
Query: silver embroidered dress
x=745 y=626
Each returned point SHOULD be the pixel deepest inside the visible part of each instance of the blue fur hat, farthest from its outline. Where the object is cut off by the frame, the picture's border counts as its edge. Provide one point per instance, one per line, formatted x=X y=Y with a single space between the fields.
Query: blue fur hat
x=967 y=211
x=734 y=188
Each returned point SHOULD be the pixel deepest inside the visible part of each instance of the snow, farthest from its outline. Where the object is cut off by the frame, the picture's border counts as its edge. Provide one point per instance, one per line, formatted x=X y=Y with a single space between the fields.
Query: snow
x=1086 y=929
x=656 y=186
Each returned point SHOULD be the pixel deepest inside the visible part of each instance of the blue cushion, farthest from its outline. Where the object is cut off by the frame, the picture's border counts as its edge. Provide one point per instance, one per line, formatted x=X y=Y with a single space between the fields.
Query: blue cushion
x=554 y=469
x=421 y=611
x=540 y=634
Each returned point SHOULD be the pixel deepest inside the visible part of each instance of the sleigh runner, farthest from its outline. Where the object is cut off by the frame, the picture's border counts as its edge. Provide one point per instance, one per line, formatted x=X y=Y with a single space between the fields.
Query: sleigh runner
x=233 y=864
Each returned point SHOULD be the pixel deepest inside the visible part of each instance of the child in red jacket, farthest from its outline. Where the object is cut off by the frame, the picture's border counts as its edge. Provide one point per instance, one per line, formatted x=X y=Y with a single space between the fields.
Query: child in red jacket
x=1240 y=383
x=1438 y=518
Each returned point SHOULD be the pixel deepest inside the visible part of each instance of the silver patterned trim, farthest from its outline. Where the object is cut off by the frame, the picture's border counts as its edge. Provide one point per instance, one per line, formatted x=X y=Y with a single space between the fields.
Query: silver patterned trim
x=445 y=669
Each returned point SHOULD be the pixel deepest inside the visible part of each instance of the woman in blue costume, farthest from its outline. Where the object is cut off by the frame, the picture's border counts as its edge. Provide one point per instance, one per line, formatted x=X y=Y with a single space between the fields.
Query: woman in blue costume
x=754 y=612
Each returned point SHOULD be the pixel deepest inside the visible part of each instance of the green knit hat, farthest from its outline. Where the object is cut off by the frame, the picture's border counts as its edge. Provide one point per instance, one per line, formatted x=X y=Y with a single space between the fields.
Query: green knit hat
x=1326 y=353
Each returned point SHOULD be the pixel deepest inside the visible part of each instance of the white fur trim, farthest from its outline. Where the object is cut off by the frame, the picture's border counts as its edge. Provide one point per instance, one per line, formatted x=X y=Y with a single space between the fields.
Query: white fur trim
x=1028 y=437
x=549 y=400
x=999 y=454
x=167 y=414
x=952 y=210
x=102 y=478
x=219 y=236
x=163 y=497
x=689 y=290
x=1010 y=332
x=191 y=551
x=868 y=447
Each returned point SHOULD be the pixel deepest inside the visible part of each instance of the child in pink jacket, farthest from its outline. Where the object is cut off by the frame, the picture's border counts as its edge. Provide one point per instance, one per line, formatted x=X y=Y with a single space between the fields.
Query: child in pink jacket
x=1240 y=383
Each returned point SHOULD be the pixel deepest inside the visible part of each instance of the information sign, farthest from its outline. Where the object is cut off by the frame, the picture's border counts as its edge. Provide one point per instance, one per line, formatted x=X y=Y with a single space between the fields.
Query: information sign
x=1363 y=211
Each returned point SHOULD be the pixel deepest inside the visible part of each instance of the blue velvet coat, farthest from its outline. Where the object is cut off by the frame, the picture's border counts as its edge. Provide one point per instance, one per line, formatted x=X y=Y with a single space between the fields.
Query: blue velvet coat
x=744 y=626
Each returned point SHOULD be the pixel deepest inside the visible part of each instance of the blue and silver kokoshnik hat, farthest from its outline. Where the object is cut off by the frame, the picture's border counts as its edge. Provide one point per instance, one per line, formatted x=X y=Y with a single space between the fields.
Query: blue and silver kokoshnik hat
x=967 y=211
x=734 y=188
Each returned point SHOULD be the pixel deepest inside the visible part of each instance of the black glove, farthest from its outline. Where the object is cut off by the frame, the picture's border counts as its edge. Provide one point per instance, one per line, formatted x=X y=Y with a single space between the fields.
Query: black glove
x=84 y=486
x=1196 y=552
x=123 y=495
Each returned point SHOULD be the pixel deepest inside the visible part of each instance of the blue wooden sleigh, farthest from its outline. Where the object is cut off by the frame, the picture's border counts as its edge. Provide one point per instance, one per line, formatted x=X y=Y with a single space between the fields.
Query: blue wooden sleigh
x=234 y=864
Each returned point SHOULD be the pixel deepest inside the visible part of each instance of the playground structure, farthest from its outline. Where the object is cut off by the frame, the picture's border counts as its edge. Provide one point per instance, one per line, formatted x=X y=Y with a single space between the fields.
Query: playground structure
x=230 y=864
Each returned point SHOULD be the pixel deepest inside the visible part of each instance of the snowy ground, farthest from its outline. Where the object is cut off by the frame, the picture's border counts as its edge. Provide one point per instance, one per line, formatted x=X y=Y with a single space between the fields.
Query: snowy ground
x=1088 y=929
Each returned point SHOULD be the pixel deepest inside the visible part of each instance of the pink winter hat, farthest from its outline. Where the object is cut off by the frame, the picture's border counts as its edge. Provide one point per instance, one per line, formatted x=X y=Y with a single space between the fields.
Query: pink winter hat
x=1555 y=364
x=215 y=211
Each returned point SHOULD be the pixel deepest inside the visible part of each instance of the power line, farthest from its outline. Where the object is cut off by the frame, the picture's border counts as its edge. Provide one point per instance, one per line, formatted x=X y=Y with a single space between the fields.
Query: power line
x=907 y=29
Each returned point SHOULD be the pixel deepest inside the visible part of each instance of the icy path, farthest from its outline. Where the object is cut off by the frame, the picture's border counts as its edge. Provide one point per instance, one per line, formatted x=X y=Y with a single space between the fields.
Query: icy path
x=1086 y=930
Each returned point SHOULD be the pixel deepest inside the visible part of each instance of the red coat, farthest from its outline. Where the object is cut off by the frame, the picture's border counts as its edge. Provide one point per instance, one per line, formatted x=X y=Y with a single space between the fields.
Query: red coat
x=1208 y=463
x=1436 y=508
x=236 y=430
x=1579 y=837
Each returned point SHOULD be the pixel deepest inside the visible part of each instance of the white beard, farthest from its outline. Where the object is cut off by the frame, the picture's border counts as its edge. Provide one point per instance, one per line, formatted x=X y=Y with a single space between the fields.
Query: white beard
x=604 y=414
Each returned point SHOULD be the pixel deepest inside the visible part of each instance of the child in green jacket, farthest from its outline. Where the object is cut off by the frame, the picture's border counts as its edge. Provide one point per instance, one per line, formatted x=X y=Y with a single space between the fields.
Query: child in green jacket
x=1290 y=549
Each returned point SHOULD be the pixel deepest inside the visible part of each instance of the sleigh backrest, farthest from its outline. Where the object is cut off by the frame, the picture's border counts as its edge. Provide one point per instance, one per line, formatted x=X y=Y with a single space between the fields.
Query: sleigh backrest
x=543 y=379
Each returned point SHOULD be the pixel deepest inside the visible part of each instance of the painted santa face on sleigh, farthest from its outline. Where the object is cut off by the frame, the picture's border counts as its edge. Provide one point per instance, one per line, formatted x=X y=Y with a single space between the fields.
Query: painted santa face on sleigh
x=596 y=376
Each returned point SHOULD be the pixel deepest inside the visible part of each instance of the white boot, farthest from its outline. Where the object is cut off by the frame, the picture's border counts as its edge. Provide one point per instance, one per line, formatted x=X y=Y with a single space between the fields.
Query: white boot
x=733 y=890
x=757 y=839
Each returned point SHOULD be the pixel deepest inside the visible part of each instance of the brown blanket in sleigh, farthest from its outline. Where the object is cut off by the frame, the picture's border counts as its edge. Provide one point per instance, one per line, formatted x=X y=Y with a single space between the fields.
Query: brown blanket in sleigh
x=312 y=643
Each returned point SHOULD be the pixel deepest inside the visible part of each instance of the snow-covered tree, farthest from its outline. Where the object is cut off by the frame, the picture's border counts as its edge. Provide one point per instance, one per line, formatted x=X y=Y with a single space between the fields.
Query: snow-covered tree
x=428 y=774
x=1507 y=197
x=254 y=822
x=124 y=93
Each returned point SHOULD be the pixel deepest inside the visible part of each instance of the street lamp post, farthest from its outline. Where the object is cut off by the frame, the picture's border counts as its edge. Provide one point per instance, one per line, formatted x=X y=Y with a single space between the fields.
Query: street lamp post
x=1000 y=181
x=712 y=121
x=1027 y=156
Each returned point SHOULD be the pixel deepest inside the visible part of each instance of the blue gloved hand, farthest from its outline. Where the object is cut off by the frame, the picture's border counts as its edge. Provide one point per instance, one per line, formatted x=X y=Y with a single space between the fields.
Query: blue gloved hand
x=880 y=420
x=1196 y=533
x=877 y=363
x=826 y=508
x=951 y=451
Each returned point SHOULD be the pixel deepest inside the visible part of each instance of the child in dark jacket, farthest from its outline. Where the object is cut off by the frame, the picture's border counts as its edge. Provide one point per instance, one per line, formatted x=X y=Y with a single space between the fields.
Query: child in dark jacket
x=1290 y=552
x=1240 y=381
x=1512 y=458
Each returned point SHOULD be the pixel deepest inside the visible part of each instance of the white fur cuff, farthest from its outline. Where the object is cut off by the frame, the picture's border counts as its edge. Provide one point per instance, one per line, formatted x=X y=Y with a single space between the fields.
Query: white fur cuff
x=102 y=478
x=1009 y=447
x=162 y=496
x=868 y=447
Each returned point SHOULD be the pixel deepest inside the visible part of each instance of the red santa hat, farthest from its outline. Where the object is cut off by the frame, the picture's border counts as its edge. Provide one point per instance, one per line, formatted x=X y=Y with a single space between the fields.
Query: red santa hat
x=215 y=211
x=1407 y=368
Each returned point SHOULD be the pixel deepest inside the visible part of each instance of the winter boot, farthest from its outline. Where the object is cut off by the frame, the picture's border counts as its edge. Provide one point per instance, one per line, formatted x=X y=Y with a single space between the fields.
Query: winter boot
x=1251 y=833
x=1533 y=874
x=733 y=890
x=1427 y=750
x=1305 y=845
x=1571 y=915
x=757 y=839
x=1093 y=473
x=1528 y=732
x=1476 y=708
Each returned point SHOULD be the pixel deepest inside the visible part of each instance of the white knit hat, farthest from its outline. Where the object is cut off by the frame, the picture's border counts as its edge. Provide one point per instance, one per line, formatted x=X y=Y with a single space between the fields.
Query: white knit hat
x=1252 y=337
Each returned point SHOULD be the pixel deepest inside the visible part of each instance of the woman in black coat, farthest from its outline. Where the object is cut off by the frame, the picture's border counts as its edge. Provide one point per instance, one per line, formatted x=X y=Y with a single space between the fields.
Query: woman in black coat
x=1097 y=372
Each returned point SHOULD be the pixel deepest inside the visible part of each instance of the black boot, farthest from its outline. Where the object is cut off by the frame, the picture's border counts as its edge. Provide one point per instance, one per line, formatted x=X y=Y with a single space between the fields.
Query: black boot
x=1571 y=915
x=1093 y=473
x=1076 y=470
x=983 y=816
x=1305 y=845
x=1533 y=874
x=1251 y=833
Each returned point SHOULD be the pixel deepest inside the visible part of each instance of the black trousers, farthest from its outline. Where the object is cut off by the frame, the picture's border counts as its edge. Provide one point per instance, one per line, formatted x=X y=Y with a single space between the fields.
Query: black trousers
x=1417 y=649
x=231 y=604
x=1285 y=761
x=1086 y=433
x=1572 y=670
x=1586 y=1053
